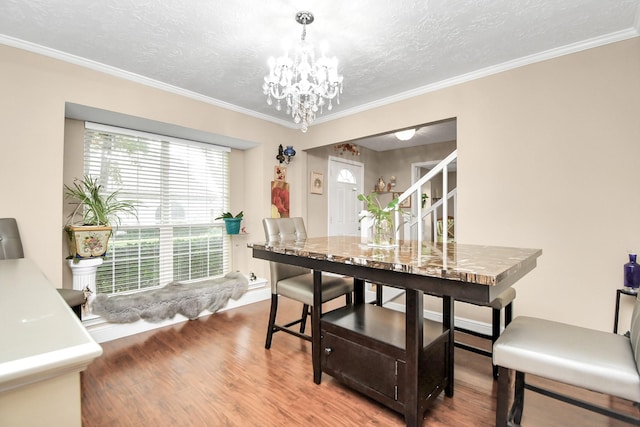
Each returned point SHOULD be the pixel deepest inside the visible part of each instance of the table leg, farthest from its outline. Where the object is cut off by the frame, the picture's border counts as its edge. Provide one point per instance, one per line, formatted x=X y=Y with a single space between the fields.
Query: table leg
x=358 y=291
x=617 y=312
x=316 y=313
x=448 y=321
x=502 y=405
x=414 y=343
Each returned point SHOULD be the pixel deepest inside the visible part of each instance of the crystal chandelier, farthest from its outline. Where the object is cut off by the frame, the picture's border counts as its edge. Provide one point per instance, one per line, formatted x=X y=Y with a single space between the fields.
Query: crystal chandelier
x=304 y=83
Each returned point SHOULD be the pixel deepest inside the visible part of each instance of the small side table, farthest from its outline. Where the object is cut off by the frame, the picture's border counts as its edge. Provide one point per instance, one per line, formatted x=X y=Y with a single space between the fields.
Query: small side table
x=617 y=314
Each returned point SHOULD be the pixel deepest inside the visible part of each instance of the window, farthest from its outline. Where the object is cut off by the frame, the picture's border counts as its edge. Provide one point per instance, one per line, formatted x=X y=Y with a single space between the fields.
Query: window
x=345 y=176
x=180 y=187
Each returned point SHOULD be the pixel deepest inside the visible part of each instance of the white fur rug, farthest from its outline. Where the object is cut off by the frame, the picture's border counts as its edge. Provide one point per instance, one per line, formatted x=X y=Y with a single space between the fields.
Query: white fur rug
x=188 y=299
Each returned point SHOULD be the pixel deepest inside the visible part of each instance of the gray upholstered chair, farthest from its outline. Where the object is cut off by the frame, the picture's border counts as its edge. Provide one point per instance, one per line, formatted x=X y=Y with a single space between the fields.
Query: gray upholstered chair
x=297 y=282
x=504 y=301
x=595 y=360
x=11 y=248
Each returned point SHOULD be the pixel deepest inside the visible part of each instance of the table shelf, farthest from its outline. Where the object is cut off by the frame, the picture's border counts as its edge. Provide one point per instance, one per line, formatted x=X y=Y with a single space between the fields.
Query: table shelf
x=363 y=346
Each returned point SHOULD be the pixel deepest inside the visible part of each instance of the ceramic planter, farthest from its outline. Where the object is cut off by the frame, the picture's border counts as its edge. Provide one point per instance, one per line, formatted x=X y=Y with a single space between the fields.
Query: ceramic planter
x=233 y=225
x=87 y=241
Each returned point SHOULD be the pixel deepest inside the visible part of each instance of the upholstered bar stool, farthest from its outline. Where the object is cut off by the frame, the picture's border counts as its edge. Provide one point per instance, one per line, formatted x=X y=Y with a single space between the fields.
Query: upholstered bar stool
x=504 y=301
x=11 y=248
x=297 y=282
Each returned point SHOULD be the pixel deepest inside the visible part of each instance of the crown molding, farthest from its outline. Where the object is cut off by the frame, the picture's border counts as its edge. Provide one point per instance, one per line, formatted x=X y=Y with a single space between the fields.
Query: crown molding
x=116 y=72
x=488 y=71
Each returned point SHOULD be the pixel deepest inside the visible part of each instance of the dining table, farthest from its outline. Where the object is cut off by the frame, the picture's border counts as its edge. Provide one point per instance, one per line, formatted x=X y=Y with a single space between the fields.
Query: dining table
x=450 y=270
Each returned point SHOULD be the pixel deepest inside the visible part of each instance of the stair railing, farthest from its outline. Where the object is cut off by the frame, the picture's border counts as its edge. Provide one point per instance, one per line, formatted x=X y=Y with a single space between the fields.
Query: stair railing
x=416 y=222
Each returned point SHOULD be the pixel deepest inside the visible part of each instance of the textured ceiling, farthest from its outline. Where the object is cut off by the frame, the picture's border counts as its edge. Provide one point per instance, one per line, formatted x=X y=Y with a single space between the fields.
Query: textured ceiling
x=217 y=50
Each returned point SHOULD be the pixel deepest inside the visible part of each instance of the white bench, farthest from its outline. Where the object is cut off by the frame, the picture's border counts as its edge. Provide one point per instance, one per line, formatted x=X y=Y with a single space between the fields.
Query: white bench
x=595 y=360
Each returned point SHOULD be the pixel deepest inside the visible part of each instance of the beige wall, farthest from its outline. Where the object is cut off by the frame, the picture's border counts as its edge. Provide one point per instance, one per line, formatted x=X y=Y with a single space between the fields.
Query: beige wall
x=35 y=89
x=548 y=157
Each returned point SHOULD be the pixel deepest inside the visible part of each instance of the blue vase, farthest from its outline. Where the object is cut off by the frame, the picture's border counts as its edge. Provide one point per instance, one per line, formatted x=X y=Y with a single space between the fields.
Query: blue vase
x=632 y=274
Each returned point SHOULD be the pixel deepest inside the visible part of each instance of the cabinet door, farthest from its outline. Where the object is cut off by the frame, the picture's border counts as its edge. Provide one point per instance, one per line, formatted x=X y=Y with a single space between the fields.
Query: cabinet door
x=355 y=364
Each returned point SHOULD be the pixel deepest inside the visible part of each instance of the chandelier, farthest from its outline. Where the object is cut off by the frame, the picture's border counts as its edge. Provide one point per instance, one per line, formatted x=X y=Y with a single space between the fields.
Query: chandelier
x=305 y=84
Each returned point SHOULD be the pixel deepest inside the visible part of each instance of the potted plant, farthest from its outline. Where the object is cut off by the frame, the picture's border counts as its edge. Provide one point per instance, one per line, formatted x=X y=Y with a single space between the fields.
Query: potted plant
x=99 y=212
x=232 y=223
x=382 y=227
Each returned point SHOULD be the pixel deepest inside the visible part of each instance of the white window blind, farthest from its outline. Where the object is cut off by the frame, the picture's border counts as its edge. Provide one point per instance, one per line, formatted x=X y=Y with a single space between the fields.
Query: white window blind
x=179 y=188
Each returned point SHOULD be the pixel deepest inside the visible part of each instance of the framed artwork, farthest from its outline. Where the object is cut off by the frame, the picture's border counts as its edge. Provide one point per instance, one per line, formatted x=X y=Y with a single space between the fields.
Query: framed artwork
x=279 y=173
x=279 y=199
x=405 y=203
x=317 y=183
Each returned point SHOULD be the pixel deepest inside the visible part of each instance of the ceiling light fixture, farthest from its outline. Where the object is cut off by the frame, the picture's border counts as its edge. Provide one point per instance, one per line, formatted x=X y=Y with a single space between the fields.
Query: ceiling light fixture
x=304 y=83
x=405 y=135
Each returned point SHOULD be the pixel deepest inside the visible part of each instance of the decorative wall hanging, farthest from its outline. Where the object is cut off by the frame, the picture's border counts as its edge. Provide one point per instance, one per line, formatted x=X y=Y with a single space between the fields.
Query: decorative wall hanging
x=285 y=155
x=406 y=203
x=346 y=148
x=279 y=199
x=317 y=183
x=280 y=173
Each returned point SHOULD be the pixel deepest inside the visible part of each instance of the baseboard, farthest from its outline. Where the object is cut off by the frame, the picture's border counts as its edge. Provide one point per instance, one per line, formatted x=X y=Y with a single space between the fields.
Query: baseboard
x=102 y=331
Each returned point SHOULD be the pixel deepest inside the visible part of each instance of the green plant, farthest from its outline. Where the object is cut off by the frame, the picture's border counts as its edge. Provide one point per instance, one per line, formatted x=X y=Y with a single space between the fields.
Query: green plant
x=97 y=207
x=382 y=218
x=374 y=207
x=424 y=199
x=230 y=215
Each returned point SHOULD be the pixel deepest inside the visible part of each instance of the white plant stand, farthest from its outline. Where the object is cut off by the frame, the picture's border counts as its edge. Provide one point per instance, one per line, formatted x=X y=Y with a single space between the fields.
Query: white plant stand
x=84 y=276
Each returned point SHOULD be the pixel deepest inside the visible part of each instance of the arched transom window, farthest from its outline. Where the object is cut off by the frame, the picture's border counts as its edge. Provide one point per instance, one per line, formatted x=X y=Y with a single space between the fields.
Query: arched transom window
x=346 y=176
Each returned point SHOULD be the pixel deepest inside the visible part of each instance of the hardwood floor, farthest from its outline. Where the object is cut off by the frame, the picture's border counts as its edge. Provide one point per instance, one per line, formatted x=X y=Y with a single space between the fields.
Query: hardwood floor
x=214 y=371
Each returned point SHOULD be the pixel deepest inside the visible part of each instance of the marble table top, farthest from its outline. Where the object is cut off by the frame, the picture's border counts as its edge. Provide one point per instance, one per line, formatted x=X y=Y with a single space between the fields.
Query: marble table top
x=485 y=265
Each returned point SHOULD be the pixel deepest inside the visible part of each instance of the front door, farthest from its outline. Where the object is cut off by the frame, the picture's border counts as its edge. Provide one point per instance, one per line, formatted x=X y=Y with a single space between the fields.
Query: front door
x=345 y=183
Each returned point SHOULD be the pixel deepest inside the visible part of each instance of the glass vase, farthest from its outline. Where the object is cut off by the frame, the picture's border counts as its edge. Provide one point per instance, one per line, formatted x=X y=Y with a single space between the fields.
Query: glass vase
x=632 y=274
x=382 y=232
